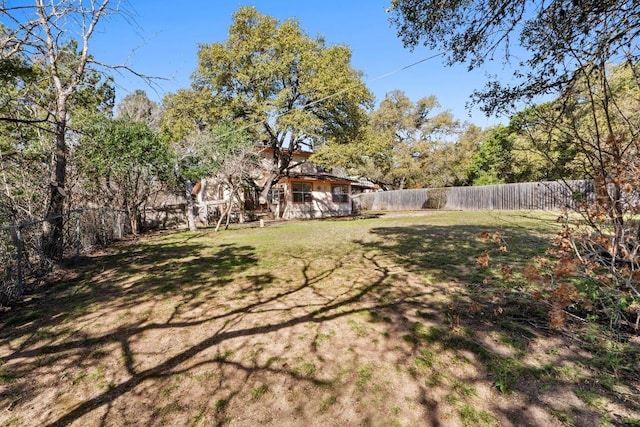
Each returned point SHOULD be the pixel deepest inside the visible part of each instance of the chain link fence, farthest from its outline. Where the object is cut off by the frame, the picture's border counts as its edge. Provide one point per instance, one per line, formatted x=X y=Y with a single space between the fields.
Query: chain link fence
x=24 y=261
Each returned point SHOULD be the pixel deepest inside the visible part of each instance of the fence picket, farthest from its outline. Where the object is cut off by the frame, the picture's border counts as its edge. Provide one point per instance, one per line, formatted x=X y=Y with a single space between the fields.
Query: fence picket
x=521 y=196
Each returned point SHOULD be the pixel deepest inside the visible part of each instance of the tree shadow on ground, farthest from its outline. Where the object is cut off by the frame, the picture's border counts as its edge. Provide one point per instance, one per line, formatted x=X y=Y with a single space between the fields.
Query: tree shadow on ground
x=450 y=252
x=43 y=329
x=153 y=272
x=336 y=307
x=185 y=313
x=192 y=277
x=484 y=321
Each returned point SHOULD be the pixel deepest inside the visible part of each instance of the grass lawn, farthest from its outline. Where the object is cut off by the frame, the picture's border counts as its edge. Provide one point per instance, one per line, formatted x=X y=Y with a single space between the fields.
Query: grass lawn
x=386 y=321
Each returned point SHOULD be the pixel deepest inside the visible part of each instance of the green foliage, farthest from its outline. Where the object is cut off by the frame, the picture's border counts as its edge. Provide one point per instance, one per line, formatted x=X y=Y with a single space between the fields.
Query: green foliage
x=546 y=36
x=543 y=152
x=202 y=154
x=224 y=153
x=492 y=163
x=527 y=150
x=23 y=153
x=406 y=145
x=274 y=77
x=593 y=268
x=273 y=70
x=13 y=69
x=124 y=162
x=186 y=112
x=117 y=147
x=94 y=92
x=61 y=88
x=284 y=87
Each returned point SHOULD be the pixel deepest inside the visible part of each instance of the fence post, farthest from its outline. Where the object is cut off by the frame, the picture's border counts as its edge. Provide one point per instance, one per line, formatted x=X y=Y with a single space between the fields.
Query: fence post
x=19 y=245
x=104 y=227
x=78 y=241
x=118 y=226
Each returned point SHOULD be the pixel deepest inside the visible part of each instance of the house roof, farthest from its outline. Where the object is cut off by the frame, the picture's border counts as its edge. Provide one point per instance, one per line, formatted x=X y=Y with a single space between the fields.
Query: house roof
x=365 y=183
x=322 y=176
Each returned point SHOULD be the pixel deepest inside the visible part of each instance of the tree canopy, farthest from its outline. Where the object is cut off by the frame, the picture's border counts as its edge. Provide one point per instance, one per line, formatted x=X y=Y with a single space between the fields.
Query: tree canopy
x=123 y=162
x=550 y=44
x=224 y=153
x=37 y=36
x=137 y=107
x=287 y=89
x=405 y=145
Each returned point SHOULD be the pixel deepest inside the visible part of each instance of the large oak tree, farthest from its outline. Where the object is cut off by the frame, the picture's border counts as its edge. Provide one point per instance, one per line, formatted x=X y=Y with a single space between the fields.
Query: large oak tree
x=289 y=90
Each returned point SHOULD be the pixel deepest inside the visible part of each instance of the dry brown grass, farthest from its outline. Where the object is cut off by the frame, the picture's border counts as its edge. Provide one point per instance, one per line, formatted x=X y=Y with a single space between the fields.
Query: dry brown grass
x=374 y=322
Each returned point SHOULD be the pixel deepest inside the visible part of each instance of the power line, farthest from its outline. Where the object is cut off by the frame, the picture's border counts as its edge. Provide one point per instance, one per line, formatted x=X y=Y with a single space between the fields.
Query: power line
x=391 y=73
x=341 y=91
x=428 y=58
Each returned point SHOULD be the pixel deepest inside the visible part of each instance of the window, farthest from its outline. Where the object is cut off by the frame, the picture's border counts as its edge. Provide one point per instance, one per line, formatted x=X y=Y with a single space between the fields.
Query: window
x=277 y=195
x=340 y=193
x=302 y=192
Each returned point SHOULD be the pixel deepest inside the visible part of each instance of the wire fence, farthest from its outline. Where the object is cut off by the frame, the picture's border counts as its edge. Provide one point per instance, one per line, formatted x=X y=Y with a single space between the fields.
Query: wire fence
x=22 y=255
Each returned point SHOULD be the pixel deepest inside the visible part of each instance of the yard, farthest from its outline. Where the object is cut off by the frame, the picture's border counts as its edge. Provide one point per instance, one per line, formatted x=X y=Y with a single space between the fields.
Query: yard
x=382 y=321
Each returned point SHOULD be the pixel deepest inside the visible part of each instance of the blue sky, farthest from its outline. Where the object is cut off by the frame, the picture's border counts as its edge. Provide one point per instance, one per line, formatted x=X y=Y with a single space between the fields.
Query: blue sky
x=163 y=38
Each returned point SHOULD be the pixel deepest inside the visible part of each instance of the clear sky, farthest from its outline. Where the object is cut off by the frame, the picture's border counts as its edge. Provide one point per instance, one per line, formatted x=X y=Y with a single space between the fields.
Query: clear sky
x=163 y=38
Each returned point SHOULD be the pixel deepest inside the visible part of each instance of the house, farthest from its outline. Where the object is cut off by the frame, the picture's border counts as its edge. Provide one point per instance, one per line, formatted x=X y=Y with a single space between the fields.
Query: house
x=307 y=191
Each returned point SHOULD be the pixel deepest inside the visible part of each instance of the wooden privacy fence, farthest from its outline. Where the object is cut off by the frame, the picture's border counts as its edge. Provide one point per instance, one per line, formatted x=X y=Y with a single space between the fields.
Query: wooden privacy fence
x=520 y=196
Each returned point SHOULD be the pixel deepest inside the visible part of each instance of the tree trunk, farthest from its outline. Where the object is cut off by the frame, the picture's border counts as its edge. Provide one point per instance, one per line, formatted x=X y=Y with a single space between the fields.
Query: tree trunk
x=402 y=181
x=52 y=238
x=617 y=218
x=16 y=235
x=280 y=166
x=226 y=225
x=188 y=188
x=264 y=193
x=226 y=214
x=240 y=199
x=133 y=219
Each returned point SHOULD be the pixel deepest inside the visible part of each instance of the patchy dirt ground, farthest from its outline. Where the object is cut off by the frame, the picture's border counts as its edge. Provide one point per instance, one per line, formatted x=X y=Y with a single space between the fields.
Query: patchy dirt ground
x=217 y=329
